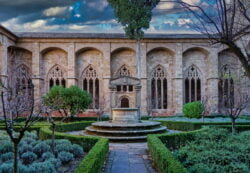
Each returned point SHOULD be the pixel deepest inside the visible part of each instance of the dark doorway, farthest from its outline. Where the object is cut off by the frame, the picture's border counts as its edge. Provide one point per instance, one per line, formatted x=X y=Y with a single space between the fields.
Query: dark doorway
x=124 y=103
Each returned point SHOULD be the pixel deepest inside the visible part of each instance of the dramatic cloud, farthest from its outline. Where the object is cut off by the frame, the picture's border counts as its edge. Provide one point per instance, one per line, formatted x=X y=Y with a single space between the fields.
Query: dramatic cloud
x=83 y=16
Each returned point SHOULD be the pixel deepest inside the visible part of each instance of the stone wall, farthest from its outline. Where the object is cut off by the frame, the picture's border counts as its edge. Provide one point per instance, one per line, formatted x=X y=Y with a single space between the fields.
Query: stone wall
x=108 y=55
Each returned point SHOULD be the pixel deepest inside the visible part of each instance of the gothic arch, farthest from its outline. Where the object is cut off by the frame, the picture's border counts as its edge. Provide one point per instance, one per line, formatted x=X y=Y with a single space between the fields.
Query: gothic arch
x=23 y=79
x=124 y=102
x=123 y=71
x=83 y=49
x=192 y=84
x=48 y=49
x=201 y=49
x=171 y=52
x=159 y=87
x=56 y=77
x=91 y=83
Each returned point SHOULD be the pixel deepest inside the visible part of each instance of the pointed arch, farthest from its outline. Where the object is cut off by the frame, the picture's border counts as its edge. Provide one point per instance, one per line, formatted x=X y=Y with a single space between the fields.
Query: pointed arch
x=159 y=87
x=226 y=86
x=192 y=84
x=91 y=84
x=123 y=71
x=56 y=76
x=23 y=79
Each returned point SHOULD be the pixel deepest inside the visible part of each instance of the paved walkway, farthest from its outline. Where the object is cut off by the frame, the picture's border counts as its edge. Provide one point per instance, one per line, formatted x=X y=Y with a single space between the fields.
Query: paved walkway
x=128 y=158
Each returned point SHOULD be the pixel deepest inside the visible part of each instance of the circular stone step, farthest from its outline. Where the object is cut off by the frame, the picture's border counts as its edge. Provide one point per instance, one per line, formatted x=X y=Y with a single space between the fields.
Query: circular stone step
x=136 y=132
x=124 y=131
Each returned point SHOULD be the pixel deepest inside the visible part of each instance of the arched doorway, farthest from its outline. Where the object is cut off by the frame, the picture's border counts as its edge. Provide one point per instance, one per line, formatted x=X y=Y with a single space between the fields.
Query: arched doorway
x=124 y=103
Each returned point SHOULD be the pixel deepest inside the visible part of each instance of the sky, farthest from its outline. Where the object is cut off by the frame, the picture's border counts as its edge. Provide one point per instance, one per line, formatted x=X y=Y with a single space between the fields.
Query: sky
x=84 y=16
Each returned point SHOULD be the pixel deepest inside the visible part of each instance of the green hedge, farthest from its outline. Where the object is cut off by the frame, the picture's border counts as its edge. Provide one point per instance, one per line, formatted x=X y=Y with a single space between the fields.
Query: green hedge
x=96 y=147
x=160 y=147
x=190 y=126
x=162 y=157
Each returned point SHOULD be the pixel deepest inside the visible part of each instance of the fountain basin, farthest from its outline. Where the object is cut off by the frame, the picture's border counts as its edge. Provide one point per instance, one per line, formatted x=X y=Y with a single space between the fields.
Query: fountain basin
x=125 y=115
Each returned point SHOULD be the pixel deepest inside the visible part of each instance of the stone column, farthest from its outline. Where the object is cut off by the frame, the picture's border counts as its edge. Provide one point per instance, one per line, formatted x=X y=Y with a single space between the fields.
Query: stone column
x=178 y=80
x=71 y=65
x=36 y=79
x=138 y=99
x=4 y=62
x=112 y=100
x=143 y=90
x=212 y=81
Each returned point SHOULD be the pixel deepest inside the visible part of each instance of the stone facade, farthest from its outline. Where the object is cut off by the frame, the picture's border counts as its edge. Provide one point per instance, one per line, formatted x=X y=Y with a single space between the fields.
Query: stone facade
x=106 y=65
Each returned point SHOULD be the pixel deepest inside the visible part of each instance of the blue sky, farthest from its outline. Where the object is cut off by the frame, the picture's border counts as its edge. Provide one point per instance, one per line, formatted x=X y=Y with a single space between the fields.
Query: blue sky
x=84 y=16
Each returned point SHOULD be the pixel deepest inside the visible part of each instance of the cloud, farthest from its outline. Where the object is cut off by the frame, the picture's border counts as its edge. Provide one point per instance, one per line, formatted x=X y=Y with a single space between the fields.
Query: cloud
x=165 y=6
x=56 y=11
x=192 y=2
x=183 y=21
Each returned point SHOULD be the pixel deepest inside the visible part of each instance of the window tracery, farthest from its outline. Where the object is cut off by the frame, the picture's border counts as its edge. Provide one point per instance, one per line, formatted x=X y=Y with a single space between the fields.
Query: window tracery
x=159 y=88
x=56 y=77
x=192 y=84
x=91 y=84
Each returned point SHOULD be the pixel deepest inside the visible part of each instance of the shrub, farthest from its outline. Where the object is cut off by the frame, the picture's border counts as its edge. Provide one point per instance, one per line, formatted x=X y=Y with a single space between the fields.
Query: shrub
x=77 y=151
x=65 y=157
x=218 y=149
x=6 y=147
x=56 y=162
x=41 y=148
x=63 y=147
x=7 y=156
x=193 y=109
x=28 y=157
x=24 y=148
x=44 y=167
x=6 y=168
x=47 y=155
x=31 y=135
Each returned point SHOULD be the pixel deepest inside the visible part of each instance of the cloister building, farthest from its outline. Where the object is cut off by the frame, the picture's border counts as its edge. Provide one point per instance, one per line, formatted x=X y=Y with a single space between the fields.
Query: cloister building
x=175 y=69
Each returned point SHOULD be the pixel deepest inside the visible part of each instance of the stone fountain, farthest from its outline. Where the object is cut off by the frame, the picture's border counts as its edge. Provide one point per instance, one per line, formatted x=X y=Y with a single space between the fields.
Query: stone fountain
x=125 y=126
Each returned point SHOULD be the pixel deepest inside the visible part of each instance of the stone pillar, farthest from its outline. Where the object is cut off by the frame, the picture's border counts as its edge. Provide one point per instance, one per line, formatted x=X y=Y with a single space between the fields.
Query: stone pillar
x=138 y=99
x=144 y=94
x=106 y=74
x=112 y=100
x=178 y=80
x=4 y=62
x=212 y=81
x=36 y=79
x=71 y=65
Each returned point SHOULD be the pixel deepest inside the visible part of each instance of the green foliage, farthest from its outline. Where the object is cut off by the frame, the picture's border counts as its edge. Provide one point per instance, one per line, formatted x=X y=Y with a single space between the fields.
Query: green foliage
x=162 y=157
x=72 y=100
x=28 y=157
x=216 y=150
x=76 y=99
x=6 y=146
x=7 y=156
x=77 y=151
x=41 y=148
x=56 y=162
x=65 y=157
x=134 y=15
x=47 y=156
x=193 y=109
x=47 y=167
x=97 y=148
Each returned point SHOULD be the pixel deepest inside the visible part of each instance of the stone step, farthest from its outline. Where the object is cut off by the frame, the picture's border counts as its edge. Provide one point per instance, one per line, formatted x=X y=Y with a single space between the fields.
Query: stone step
x=106 y=125
x=136 y=132
x=122 y=138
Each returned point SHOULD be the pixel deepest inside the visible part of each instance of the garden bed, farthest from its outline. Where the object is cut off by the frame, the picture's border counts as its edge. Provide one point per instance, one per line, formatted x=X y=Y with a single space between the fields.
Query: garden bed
x=197 y=155
x=95 y=147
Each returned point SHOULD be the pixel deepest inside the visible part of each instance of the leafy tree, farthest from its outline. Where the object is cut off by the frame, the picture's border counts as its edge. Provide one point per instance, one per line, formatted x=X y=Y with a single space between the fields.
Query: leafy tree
x=67 y=102
x=135 y=16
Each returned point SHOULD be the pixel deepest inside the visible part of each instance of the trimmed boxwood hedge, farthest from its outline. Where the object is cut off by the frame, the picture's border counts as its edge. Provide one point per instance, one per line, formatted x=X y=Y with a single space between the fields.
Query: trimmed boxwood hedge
x=190 y=126
x=159 y=148
x=162 y=157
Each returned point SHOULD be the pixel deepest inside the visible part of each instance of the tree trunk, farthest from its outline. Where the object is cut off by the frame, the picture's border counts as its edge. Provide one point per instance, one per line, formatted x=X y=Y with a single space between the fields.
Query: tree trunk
x=15 y=163
x=243 y=59
x=53 y=138
x=233 y=125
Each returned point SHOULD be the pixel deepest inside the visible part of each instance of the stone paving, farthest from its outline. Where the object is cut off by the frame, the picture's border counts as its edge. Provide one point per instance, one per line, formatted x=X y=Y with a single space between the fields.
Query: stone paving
x=128 y=158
